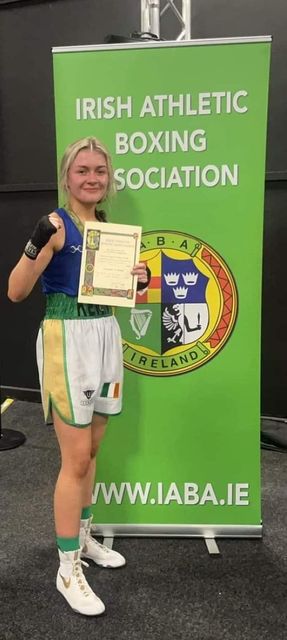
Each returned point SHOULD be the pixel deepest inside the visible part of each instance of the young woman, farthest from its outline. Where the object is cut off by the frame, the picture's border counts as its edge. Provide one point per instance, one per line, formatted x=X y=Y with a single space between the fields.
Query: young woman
x=79 y=354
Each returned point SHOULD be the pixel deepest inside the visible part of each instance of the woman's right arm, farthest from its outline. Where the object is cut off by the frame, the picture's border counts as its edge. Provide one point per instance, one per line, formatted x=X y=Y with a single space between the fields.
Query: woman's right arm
x=46 y=238
x=26 y=273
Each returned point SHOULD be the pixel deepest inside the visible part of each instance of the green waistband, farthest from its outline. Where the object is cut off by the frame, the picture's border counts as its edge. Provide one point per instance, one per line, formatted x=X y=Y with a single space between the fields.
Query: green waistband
x=59 y=306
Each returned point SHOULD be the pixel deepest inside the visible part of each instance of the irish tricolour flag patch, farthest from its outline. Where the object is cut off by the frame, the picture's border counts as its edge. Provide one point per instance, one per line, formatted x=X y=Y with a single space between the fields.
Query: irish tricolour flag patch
x=110 y=390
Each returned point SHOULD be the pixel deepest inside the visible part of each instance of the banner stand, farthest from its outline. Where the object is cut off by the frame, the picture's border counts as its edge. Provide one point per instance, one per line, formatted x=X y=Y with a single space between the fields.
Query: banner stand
x=186 y=126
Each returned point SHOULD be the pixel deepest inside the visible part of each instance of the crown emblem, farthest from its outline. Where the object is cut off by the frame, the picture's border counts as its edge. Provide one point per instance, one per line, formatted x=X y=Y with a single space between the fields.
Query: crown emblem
x=171 y=278
x=180 y=292
x=190 y=278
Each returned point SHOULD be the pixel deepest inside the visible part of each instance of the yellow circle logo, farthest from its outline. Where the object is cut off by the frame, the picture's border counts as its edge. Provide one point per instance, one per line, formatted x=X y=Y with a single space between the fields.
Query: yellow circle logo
x=188 y=311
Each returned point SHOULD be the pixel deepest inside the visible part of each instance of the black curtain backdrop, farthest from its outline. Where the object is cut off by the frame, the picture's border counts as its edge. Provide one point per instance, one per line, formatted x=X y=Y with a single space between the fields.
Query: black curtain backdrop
x=28 y=31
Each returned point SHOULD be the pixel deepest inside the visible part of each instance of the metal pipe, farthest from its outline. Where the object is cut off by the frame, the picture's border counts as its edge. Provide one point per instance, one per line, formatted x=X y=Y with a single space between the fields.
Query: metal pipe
x=150 y=16
x=186 y=16
x=145 y=25
x=155 y=17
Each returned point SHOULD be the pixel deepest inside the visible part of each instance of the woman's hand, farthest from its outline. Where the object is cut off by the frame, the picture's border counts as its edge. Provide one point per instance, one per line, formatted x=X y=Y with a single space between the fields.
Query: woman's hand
x=56 y=220
x=140 y=270
x=44 y=230
x=144 y=275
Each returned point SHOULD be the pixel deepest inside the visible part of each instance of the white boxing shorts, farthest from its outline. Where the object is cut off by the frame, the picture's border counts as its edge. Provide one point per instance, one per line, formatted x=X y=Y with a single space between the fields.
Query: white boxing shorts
x=80 y=367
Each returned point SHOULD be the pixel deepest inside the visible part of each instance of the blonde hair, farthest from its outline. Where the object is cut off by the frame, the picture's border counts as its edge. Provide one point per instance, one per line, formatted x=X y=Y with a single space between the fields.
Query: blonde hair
x=93 y=144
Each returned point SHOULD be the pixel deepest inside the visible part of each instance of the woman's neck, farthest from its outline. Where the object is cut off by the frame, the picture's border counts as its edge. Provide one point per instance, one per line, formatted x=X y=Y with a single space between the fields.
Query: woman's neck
x=85 y=213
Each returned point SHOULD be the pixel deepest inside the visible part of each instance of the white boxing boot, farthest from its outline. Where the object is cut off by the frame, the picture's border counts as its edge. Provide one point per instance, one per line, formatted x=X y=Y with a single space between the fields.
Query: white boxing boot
x=99 y=553
x=72 y=584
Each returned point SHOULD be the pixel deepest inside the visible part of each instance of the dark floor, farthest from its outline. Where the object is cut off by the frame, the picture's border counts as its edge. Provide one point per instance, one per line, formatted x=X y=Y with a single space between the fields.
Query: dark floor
x=171 y=589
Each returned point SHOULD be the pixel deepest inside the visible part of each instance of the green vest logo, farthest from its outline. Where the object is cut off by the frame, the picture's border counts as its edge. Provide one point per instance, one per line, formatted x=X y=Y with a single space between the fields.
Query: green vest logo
x=188 y=311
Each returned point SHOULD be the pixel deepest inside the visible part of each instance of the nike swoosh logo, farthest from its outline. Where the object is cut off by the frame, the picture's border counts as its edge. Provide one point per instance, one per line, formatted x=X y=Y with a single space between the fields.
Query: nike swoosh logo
x=66 y=583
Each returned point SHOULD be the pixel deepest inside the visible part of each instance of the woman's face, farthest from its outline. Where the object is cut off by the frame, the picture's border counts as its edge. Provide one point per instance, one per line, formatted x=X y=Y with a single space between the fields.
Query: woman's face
x=88 y=177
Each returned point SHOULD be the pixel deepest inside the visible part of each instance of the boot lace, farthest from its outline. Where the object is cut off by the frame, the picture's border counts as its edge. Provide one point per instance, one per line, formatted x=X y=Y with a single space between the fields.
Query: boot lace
x=81 y=580
x=101 y=547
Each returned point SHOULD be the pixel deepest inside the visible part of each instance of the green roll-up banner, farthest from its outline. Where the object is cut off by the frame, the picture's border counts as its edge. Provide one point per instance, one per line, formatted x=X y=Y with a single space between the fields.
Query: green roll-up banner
x=186 y=126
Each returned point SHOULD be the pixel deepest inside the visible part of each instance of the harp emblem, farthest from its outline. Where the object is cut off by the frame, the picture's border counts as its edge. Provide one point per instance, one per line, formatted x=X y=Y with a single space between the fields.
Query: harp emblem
x=139 y=320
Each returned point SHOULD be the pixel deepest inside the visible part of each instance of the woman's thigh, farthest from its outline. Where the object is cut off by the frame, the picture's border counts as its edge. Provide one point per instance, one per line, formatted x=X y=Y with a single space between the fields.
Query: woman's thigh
x=98 y=429
x=75 y=443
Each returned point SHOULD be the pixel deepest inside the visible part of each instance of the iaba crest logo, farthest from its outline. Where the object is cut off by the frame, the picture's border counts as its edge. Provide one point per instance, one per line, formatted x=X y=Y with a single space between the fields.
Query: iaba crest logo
x=188 y=311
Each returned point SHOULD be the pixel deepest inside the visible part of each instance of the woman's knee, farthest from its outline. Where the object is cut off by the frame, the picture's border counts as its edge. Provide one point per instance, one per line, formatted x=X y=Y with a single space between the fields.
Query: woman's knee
x=77 y=466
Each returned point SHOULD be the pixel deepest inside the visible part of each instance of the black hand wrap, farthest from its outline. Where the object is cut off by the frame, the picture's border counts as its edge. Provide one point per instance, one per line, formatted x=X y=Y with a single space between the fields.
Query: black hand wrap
x=41 y=235
x=144 y=285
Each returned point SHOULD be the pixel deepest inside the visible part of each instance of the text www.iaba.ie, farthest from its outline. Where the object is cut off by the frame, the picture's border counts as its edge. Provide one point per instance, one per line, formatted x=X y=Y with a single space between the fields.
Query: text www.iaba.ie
x=187 y=493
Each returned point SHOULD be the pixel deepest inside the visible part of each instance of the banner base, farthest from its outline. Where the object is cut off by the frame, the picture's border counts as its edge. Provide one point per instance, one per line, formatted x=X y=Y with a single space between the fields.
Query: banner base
x=178 y=531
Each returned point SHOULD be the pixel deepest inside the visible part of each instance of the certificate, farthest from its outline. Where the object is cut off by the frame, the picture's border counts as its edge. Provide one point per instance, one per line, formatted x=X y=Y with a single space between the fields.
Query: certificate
x=109 y=254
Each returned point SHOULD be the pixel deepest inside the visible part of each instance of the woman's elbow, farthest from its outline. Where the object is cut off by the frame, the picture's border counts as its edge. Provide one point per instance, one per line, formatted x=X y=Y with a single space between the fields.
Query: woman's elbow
x=15 y=298
x=15 y=295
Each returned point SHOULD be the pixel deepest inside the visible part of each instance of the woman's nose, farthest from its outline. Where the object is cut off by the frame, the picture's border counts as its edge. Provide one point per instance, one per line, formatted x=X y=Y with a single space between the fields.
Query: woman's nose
x=92 y=178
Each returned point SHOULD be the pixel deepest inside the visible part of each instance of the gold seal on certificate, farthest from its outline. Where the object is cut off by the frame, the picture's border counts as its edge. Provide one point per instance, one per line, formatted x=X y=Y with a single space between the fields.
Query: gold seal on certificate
x=110 y=252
